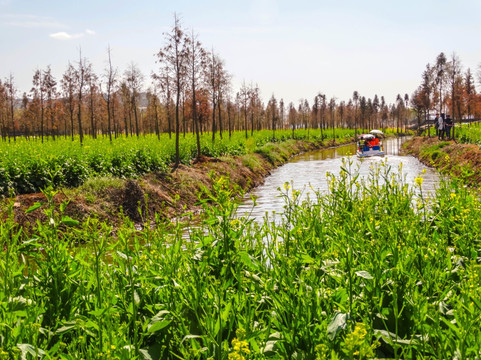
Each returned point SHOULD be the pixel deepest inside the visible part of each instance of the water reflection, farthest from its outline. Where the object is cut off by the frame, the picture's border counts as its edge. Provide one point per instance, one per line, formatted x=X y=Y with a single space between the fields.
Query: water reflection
x=308 y=171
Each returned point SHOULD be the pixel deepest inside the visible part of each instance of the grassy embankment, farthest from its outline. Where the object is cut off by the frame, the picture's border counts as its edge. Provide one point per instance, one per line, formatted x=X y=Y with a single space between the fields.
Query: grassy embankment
x=101 y=178
x=356 y=273
x=460 y=158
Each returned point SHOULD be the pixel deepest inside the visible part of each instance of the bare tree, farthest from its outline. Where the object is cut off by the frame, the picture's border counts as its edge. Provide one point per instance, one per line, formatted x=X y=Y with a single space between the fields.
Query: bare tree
x=282 y=112
x=11 y=92
x=222 y=79
x=38 y=92
x=355 y=99
x=319 y=109
x=254 y=104
x=82 y=74
x=440 y=67
x=455 y=81
x=173 y=57
x=363 y=111
x=470 y=91
x=68 y=88
x=154 y=109
x=332 y=108
x=273 y=112
x=375 y=107
x=406 y=110
x=244 y=95
x=427 y=92
x=230 y=112
x=93 y=87
x=49 y=85
x=341 y=110
x=3 y=109
x=399 y=108
x=417 y=103
x=134 y=80
x=196 y=62
x=110 y=76
x=126 y=108
x=24 y=124
x=384 y=113
x=164 y=82
x=211 y=80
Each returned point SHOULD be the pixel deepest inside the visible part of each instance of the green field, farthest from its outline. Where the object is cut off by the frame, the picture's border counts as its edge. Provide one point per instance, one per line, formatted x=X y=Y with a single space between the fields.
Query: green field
x=469 y=133
x=28 y=166
x=370 y=269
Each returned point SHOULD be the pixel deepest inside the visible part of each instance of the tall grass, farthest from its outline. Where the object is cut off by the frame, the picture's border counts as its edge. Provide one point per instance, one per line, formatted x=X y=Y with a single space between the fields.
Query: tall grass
x=469 y=133
x=359 y=272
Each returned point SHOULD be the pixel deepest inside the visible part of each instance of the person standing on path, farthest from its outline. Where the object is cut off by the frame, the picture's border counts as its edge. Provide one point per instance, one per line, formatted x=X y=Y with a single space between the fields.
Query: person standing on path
x=448 y=124
x=441 y=127
x=436 y=124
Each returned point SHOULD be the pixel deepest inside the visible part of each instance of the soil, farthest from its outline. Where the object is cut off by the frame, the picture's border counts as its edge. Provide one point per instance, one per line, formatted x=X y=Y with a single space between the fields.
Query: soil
x=167 y=195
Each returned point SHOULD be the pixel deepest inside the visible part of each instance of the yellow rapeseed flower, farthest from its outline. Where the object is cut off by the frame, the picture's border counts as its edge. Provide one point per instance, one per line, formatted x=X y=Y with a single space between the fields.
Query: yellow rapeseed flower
x=235 y=224
x=418 y=180
x=240 y=347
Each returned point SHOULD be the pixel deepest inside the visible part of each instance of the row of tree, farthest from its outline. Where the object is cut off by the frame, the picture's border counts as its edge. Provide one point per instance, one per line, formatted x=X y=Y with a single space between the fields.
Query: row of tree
x=447 y=88
x=191 y=91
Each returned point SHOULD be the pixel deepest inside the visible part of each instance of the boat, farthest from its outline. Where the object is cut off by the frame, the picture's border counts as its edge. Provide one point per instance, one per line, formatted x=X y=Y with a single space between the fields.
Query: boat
x=370 y=144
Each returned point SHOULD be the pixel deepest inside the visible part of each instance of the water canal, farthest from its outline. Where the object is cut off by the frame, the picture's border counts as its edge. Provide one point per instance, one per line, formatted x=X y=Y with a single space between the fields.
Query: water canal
x=307 y=173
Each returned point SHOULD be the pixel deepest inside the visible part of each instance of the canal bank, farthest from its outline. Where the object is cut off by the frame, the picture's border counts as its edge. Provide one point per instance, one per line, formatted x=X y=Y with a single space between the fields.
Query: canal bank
x=462 y=161
x=158 y=196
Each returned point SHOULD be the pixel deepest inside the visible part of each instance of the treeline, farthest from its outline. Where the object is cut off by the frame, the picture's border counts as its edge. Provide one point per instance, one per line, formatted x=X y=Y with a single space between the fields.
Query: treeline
x=447 y=88
x=191 y=91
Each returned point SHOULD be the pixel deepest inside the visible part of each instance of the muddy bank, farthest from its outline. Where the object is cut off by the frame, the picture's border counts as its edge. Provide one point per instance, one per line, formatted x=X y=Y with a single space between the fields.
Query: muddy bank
x=448 y=157
x=167 y=195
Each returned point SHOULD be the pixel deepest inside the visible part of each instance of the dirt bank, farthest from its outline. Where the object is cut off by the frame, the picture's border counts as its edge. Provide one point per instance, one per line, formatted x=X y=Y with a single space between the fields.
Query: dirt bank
x=168 y=195
x=458 y=160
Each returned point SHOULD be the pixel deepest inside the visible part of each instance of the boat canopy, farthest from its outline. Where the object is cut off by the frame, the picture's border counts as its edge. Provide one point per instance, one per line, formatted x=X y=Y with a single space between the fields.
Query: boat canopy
x=366 y=136
x=376 y=132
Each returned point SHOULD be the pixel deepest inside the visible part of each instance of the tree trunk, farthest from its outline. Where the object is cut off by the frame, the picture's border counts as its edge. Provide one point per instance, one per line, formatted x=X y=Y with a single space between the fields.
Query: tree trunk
x=220 y=119
x=134 y=105
x=92 y=120
x=157 y=130
x=109 y=129
x=41 y=120
x=177 y=125
x=79 y=117
x=71 y=119
x=214 y=128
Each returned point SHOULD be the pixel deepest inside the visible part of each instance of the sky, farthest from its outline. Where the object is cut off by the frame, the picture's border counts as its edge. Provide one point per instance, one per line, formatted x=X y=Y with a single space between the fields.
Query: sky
x=292 y=49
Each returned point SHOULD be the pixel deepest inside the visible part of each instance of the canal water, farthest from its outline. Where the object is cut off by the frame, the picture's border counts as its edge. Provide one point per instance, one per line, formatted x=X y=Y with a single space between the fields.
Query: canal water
x=307 y=173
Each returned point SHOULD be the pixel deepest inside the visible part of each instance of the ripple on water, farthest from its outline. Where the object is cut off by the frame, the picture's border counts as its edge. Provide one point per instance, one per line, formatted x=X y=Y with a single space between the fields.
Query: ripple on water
x=308 y=171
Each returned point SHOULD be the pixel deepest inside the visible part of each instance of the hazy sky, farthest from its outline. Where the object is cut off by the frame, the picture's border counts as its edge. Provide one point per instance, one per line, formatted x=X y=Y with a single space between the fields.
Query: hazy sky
x=290 y=48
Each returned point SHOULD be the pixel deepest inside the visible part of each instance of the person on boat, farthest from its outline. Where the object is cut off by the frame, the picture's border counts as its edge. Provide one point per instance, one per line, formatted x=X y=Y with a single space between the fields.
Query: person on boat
x=375 y=141
x=366 y=144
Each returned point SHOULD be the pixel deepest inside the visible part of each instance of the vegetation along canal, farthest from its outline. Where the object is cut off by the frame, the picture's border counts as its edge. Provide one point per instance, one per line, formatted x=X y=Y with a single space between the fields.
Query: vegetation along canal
x=308 y=173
